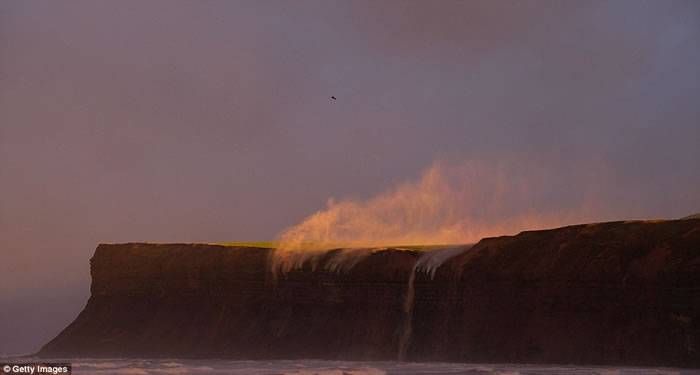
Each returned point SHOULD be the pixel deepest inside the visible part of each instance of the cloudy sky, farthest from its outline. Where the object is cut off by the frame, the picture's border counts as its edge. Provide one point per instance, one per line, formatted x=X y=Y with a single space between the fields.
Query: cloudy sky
x=212 y=121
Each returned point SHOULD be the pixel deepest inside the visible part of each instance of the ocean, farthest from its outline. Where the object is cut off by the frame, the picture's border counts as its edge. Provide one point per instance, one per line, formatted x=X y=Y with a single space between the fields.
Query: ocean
x=319 y=367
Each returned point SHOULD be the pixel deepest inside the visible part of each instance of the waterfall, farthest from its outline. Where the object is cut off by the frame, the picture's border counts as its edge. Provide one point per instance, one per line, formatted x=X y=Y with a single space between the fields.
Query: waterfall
x=407 y=329
x=427 y=263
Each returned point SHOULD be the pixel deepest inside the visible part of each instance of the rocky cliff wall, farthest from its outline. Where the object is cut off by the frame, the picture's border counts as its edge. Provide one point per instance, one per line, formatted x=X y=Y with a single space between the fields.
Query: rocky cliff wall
x=609 y=293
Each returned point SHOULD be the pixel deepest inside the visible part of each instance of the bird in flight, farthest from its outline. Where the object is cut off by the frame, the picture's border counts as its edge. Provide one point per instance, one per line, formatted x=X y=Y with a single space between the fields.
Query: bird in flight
x=333 y=97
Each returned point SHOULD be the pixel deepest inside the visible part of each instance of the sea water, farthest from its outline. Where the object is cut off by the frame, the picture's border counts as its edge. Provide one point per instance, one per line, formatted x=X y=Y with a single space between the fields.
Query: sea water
x=319 y=367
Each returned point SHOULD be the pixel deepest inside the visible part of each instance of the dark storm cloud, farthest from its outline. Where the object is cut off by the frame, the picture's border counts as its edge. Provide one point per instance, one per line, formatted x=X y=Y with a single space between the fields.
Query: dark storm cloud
x=211 y=121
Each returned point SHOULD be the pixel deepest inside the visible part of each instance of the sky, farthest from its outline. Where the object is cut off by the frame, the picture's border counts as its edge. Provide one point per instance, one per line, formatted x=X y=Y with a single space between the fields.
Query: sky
x=182 y=121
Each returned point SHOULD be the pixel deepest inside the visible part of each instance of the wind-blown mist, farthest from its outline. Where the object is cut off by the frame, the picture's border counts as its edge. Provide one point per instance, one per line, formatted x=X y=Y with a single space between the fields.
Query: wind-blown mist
x=448 y=204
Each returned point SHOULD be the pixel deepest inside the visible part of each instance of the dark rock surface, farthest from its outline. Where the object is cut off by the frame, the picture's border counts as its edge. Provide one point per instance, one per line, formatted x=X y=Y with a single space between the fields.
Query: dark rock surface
x=608 y=293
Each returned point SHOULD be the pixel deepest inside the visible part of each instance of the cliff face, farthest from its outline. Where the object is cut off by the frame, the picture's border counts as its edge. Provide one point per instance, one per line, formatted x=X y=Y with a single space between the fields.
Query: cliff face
x=610 y=293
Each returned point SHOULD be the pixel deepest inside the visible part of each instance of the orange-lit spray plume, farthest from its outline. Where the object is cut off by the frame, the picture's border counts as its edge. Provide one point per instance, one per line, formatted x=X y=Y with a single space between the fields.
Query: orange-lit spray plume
x=449 y=204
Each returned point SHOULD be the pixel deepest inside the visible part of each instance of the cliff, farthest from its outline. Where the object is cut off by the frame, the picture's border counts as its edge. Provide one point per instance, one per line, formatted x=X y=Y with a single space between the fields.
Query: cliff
x=609 y=293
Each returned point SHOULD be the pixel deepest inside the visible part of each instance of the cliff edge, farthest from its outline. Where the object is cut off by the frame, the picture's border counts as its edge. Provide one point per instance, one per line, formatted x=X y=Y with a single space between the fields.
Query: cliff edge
x=624 y=293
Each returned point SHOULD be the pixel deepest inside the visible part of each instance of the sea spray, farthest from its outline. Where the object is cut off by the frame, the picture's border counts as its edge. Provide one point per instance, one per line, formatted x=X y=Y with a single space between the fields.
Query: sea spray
x=448 y=204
